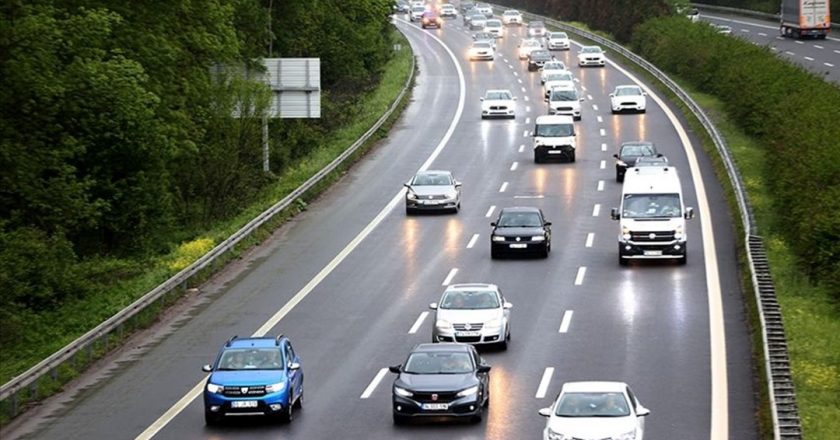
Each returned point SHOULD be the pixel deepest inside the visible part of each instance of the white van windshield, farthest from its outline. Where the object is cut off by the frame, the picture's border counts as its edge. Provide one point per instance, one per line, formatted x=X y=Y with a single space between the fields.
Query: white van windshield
x=555 y=130
x=651 y=206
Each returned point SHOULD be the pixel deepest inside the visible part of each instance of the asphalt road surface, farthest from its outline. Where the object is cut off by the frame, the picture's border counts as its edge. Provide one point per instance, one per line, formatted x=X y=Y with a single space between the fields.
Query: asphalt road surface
x=349 y=279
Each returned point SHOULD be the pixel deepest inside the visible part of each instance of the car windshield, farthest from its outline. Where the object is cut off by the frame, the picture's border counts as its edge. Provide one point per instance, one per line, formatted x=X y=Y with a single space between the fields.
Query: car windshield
x=559 y=35
x=559 y=76
x=469 y=300
x=438 y=363
x=651 y=206
x=509 y=13
x=592 y=405
x=482 y=45
x=477 y=17
x=494 y=23
x=432 y=180
x=496 y=96
x=251 y=359
x=591 y=49
x=531 y=43
x=555 y=130
x=564 y=95
x=637 y=150
x=554 y=65
x=540 y=54
x=520 y=220
x=628 y=91
x=536 y=24
x=418 y=9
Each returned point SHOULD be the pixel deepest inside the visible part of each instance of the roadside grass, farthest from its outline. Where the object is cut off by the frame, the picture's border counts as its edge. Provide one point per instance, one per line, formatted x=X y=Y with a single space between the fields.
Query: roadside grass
x=119 y=282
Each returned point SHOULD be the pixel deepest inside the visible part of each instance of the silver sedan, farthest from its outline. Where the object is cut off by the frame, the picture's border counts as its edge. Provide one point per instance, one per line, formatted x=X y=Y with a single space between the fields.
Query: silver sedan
x=473 y=313
x=432 y=191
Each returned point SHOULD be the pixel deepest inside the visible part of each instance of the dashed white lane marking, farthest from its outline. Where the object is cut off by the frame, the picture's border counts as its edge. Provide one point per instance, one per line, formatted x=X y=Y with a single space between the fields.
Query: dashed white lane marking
x=829 y=64
x=521 y=148
x=373 y=384
x=603 y=162
x=523 y=89
x=590 y=238
x=589 y=97
x=603 y=132
x=583 y=88
x=567 y=320
x=520 y=82
x=503 y=187
x=603 y=148
x=818 y=46
x=745 y=30
x=418 y=323
x=472 y=241
x=798 y=42
x=595 y=107
x=790 y=53
x=809 y=58
x=515 y=73
x=596 y=210
x=600 y=119
x=836 y=51
x=774 y=49
x=544 y=382
x=762 y=34
x=526 y=98
x=575 y=80
x=528 y=120
x=525 y=133
x=490 y=211
x=527 y=108
x=449 y=276
x=600 y=185
x=580 y=274
x=514 y=166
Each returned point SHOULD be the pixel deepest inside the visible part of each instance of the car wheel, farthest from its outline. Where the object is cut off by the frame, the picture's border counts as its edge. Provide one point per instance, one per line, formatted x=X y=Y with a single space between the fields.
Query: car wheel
x=478 y=416
x=537 y=158
x=618 y=176
x=289 y=414
x=408 y=211
x=299 y=401
x=643 y=111
x=494 y=254
x=622 y=261
x=572 y=156
x=614 y=111
x=503 y=345
x=211 y=419
x=400 y=419
x=683 y=260
x=544 y=253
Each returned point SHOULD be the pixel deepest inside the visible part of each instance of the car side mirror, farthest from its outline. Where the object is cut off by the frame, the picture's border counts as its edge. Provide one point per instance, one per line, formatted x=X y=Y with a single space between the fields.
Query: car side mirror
x=294 y=366
x=481 y=99
x=660 y=155
x=547 y=224
x=581 y=99
x=395 y=368
x=612 y=95
x=644 y=94
x=207 y=368
x=483 y=368
x=407 y=185
x=689 y=213
x=493 y=224
x=458 y=184
x=642 y=411
x=508 y=305
x=545 y=412
x=515 y=98
x=614 y=214
x=615 y=156
x=433 y=306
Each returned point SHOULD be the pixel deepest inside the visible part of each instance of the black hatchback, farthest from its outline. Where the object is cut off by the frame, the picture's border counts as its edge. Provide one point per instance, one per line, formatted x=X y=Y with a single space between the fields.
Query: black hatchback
x=445 y=379
x=520 y=230
x=628 y=153
x=538 y=58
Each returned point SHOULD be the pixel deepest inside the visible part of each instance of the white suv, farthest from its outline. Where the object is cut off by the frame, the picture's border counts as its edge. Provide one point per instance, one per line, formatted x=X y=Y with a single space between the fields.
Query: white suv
x=558 y=41
x=511 y=17
x=565 y=100
x=591 y=56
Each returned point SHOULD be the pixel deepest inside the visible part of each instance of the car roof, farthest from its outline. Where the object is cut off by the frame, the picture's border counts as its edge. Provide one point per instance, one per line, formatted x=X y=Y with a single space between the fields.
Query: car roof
x=433 y=173
x=262 y=342
x=441 y=347
x=554 y=119
x=624 y=144
x=498 y=90
x=627 y=86
x=520 y=209
x=594 y=387
x=471 y=286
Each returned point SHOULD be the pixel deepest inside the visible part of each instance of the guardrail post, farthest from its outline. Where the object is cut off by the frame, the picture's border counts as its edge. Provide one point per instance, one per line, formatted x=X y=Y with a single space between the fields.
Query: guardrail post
x=13 y=404
x=33 y=390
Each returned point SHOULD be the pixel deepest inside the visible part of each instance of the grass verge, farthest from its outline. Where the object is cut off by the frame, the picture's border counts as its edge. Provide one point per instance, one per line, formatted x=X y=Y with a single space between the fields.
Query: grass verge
x=123 y=281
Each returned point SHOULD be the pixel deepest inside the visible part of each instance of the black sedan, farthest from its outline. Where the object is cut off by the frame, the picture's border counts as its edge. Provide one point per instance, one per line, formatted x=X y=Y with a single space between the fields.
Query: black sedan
x=538 y=58
x=628 y=153
x=520 y=230
x=445 y=379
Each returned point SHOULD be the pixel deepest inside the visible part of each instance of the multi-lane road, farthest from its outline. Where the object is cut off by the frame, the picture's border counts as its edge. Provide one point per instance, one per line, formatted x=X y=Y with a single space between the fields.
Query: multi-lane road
x=819 y=56
x=350 y=280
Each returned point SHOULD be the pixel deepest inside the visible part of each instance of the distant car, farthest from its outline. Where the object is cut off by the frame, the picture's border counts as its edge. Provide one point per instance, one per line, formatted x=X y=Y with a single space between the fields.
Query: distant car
x=550 y=67
x=486 y=10
x=537 y=58
x=557 y=79
x=448 y=10
x=401 y=6
x=477 y=22
x=468 y=13
x=472 y=313
x=253 y=376
x=558 y=41
x=520 y=230
x=482 y=50
x=416 y=13
x=536 y=29
x=693 y=15
x=498 y=103
x=486 y=37
x=565 y=100
x=526 y=46
x=431 y=19
x=591 y=56
x=494 y=27
x=432 y=191
x=630 y=97
x=723 y=29
x=441 y=380
x=595 y=410
x=467 y=5
x=627 y=155
x=512 y=17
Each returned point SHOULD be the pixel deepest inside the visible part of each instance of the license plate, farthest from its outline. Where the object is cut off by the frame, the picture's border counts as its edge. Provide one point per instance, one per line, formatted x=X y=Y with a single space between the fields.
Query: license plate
x=653 y=253
x=555 y=151
x=243 y=404
x=463 y=334
x=518 y=246
x=436 y=406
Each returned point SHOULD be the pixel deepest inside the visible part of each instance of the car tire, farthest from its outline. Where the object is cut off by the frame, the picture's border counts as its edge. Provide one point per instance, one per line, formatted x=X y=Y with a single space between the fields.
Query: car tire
x=537 y=158
x=400 y=419
x=299 y=402
x=494 y=254
x=643 y=111
x=211 y=419
x=409 y=211
x=544 y=253
x=619 y=177
x=289 y=413
x=476 y=419
x=622 y=261
x=614 y=111
x=683 y=260
x=572 y=157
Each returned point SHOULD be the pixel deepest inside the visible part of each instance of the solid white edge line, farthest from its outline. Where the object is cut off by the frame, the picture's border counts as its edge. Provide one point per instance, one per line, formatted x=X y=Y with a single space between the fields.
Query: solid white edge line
x=719 y=423
x=590 y=238
x=418 y=323
x=567 y=320
x=191 y=395
x=374 y=383
x=472 y=241
x=490 y=211
x=596 y=210
x=544 y=382
x=449 y=276
x=581 y=273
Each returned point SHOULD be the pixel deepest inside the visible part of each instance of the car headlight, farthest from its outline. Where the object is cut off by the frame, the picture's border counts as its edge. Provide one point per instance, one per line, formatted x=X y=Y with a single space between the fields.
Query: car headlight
x=538 y=238
x=443 y=324
x=411 y=195
x=468 y=392
x=402 y=392
x=275 y=387
x=627 y=436
x=553 y=435
x=215 y=389
x=678 y=234
x=493 y=323
x=498 y=238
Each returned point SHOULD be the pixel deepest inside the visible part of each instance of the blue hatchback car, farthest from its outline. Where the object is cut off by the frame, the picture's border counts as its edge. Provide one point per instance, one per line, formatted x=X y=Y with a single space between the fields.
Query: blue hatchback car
x=254 y=376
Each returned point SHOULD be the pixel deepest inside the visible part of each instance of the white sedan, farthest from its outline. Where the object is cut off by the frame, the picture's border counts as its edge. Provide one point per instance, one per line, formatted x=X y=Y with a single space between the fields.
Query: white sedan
x=498 y=103
x=629 y=97
x=526 y=46
x=494 y=27
x=595 y=410
x=482 y=50
x=511 y=17
x=558 y=41
x=550 y=67
x=557 y=79
x=591 y=56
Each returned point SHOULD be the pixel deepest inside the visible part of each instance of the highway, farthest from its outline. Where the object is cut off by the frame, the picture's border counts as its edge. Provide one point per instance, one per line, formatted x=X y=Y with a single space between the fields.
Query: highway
x=819 y=56
x=350 y=279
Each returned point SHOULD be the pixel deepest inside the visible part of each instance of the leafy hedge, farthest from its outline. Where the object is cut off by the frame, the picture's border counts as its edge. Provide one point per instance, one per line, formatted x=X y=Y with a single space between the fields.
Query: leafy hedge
x=793 y=113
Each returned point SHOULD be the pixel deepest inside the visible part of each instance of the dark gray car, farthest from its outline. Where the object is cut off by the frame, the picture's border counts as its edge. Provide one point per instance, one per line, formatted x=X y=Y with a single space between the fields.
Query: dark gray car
x=520 y=230
x=627 y=155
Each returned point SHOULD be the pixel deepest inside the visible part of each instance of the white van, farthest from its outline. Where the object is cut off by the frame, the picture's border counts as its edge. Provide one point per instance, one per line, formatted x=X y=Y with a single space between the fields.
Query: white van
x=554 y=137
x=652 y=215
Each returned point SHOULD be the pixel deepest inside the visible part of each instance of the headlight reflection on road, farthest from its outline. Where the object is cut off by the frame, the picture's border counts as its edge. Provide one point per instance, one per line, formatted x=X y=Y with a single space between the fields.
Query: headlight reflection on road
x=628 y=300
x=540 y=179
x=453 y=236
x=409 y=242
x=642 y=125
x=616 y=129
x=602 y=76
x=501 y=385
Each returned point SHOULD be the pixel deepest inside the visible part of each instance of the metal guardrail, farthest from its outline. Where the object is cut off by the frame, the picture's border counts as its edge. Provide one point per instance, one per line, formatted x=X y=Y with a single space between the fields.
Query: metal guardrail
x=786 y=421
x=29 y=379
x=746 y=13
